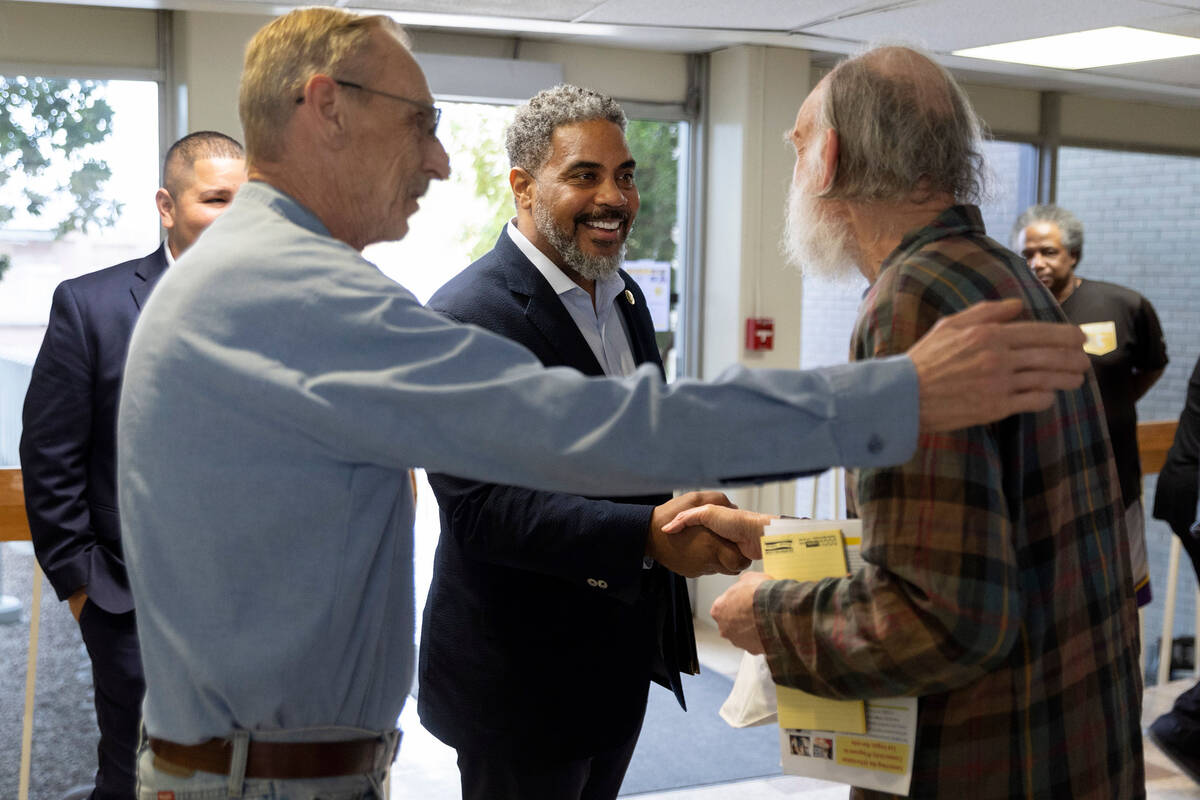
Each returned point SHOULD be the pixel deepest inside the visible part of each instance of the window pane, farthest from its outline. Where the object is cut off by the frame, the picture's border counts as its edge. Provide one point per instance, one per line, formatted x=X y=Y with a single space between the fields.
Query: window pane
x=1141 y=219
x=460 y=218
x=654 y=256
x=78 y=196
x=1012 y=186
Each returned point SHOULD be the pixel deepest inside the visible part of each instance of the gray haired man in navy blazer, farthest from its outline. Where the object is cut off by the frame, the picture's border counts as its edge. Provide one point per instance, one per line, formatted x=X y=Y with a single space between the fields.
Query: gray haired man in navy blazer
x=549 y=614
x=68 y=442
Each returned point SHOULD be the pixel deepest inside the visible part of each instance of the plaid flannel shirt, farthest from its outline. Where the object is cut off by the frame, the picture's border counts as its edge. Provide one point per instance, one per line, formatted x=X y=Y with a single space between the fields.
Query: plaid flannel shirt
x=998 y=585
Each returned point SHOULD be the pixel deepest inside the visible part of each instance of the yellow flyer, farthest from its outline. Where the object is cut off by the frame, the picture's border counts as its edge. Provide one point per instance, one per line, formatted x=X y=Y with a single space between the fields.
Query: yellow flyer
x=810 y=556
x=879 y=756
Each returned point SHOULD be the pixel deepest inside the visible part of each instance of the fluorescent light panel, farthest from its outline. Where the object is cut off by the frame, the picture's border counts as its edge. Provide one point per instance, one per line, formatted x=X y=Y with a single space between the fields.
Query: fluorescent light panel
x=1101 y=47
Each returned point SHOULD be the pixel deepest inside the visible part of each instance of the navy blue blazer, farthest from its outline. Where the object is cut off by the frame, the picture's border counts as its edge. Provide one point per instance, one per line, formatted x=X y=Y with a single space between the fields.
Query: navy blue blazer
x=542 y=630
x=69 y=430
x=1178 y=486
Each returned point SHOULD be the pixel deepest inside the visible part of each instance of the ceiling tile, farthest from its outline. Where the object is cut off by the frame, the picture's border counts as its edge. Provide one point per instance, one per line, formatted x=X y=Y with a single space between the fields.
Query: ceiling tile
x=1178 y=71
x=946 y=25
x=553 y=10
x=771 y=15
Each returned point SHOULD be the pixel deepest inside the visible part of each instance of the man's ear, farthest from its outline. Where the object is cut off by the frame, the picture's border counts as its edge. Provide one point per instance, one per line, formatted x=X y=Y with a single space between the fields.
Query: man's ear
x=829 y=159
x=166 y=208
x=523 y=187
x=325 y=105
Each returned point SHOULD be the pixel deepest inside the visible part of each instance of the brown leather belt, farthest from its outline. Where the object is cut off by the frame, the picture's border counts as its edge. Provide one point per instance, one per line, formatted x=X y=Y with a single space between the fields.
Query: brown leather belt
x=281 y=760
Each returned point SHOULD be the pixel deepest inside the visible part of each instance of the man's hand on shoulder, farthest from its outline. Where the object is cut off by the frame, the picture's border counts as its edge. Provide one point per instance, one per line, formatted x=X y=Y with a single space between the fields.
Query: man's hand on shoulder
x=976 y=366
x=694 y=550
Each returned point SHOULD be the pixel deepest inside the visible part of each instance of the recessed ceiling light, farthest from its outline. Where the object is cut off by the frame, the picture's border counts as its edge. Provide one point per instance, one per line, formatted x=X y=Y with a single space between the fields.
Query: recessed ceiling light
x=1101 y=47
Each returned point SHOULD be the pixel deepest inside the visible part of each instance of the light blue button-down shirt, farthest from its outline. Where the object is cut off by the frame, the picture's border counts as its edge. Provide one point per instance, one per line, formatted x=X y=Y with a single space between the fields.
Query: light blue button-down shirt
x=277 y=390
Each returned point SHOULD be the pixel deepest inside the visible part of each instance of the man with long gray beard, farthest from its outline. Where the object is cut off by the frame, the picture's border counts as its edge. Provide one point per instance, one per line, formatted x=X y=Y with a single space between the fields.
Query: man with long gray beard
x=549 y=608
x=997 y=585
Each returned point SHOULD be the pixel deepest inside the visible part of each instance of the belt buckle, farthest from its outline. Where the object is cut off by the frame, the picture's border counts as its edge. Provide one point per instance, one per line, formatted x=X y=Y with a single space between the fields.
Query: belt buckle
x=171 y=768
x=385 y=756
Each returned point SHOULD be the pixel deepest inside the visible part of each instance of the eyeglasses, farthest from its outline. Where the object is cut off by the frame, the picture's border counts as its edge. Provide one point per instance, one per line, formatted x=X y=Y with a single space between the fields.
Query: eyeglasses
x=428 y=108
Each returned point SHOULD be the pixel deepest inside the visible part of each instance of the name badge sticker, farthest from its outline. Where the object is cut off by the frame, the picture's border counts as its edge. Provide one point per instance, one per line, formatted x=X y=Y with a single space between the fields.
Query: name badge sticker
x=1101 y=337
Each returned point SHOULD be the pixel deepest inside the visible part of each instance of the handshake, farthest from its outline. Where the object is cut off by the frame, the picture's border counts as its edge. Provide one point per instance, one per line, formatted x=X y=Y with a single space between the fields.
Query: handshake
x=702 y=533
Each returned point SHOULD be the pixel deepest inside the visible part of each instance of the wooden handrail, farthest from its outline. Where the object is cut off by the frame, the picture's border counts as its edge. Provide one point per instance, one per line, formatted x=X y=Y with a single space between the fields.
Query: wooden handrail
x=14 y=525
x=1154 y=440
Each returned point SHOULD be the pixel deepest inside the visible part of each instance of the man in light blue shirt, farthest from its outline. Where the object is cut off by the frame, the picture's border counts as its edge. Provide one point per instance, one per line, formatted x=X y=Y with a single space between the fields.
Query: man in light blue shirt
x=279 y=388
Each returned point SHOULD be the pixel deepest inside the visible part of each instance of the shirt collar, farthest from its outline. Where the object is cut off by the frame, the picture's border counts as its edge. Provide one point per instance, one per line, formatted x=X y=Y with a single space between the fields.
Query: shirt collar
x=607 y=288
x=167 y=252
x=954 y=221
x=291 y=209
x=558 y=280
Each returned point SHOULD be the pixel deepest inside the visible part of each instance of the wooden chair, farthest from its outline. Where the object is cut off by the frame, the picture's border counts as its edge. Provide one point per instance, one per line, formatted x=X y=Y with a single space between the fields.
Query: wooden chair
x=15 y=527
x=1154 y=440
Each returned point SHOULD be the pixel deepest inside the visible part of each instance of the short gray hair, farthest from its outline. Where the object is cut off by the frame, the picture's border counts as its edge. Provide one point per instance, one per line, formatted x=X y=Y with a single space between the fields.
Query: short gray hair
x=1069 y=227
x=529 y=135
x=289 y=50
x=905 y=128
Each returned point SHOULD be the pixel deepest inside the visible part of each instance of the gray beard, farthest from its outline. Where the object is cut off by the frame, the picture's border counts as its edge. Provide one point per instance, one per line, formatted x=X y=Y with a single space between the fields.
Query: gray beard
x=816 y=241
x=592 y=268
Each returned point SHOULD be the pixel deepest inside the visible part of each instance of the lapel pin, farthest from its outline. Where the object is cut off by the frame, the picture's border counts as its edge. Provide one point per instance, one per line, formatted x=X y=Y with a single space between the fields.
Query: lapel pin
x=629 y=298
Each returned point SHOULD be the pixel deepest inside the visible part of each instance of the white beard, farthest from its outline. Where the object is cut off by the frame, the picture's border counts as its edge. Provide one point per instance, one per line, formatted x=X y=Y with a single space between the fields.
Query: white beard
x=816 y=239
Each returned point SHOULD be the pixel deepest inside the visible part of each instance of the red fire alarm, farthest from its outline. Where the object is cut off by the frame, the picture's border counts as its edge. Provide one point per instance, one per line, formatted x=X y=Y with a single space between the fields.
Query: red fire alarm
x=760 y=333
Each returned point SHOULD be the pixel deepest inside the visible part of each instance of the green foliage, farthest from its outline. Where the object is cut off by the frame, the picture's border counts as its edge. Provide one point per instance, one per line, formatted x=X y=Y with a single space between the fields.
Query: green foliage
x=47 y=122
x=483 y=143
x=5 y=263
x=655 y=147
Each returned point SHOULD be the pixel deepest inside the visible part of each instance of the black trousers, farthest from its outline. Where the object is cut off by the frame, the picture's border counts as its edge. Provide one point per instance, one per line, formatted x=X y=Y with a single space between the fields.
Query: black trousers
x=112 y=644
x=495 y=775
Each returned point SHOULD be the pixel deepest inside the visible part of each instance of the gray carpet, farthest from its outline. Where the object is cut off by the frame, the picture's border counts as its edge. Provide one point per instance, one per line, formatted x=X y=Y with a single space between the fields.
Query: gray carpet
x=64 y=720
x=697 y=748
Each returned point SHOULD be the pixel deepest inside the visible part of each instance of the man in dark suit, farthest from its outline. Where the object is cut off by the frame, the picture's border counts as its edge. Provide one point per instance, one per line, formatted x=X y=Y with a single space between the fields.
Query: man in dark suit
x=1177 y=732
x=68 y=454
x=549 y=614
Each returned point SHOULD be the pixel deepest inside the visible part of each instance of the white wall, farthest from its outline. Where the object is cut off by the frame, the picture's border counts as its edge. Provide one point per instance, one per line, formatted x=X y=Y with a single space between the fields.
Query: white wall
x=78 y=36
x=616 y=71
x=209 y=49
x=754 y=95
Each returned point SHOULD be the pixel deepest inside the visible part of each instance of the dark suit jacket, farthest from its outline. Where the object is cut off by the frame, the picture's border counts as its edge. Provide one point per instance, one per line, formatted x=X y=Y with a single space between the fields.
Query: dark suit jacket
x=68 y=436
x=1179 y=480
x=542 y=629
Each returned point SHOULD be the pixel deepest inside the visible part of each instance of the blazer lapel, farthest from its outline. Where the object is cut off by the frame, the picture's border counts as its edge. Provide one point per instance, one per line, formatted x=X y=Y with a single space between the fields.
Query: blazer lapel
x=644 y=347
x=148 y=271
x=545 y=311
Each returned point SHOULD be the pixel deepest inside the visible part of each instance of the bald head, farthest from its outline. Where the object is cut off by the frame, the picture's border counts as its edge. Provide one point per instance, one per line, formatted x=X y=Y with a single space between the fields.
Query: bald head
x=905 y=129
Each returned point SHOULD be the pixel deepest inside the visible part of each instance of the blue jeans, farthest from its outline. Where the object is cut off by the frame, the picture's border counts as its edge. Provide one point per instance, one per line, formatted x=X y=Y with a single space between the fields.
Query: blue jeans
x=160 y=781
